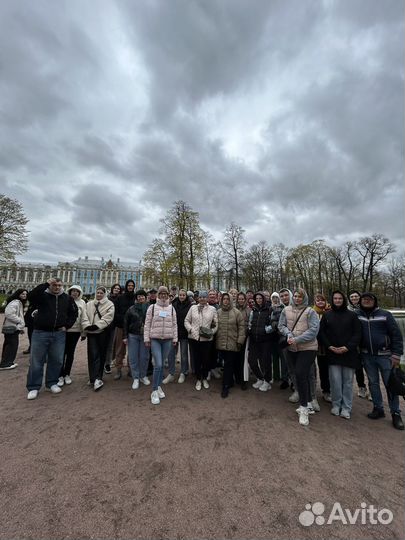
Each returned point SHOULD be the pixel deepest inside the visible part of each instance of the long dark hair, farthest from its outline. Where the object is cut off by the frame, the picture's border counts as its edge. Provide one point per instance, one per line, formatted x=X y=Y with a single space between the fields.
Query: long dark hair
x=16 y=296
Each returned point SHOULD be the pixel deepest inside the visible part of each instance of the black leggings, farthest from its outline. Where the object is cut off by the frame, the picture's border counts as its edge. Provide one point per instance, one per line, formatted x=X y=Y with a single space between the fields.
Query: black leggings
x=260 y=360
x=200 y=351
x=302 y=362
x=70 y=346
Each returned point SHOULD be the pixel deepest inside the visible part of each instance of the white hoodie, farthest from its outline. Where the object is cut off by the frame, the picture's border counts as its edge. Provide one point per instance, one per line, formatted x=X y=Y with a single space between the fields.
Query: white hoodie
x=81 y=306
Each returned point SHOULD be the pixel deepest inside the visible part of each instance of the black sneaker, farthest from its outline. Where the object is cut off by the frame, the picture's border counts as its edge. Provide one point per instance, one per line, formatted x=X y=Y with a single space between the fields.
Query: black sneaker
x=397 y=421
x=225 y=392
x=376 y=413
x=284 y=385
x=107 y=369
x=244 y=385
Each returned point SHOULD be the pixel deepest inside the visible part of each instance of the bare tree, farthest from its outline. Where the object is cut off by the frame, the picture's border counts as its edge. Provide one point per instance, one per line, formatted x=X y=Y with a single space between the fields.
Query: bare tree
x=373 y=250
x=234 y=247
x=13 y=233
x=256 y=264
x=184 y=237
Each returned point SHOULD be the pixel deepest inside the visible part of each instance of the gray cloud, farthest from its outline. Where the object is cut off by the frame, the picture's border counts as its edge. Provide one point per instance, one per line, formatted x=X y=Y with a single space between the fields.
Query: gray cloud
x=286 y=117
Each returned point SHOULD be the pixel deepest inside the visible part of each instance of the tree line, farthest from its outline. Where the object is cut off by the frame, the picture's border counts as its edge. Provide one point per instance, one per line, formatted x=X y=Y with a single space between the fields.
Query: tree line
x=185 y=254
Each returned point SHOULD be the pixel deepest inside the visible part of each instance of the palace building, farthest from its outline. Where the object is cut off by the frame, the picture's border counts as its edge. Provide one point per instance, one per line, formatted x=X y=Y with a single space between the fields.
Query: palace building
x=88 y=273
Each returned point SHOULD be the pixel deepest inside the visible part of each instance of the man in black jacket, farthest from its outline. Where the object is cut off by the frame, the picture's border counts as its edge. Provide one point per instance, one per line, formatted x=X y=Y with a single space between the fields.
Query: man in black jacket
x=56 y=312
x=381 y=348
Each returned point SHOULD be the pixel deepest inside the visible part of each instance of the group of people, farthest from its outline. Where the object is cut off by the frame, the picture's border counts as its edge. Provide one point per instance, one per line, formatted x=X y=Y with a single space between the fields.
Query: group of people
x=276 y=336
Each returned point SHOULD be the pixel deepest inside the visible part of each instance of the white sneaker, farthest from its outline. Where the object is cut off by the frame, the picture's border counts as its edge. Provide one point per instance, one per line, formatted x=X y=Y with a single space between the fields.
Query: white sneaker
x=154 y=397
x=309 y=407
x=145 y=381
x=327 y=397
x=315 y=405
x=198 y=385
x=182 y=378
x=335 y=411
x=362 y=393
x=168 y=379
x=265 y=386
x=209 y=376
x=61 y=381
x=216 y=373
x=303 y=416
x=55 y=389
x=98 y=383
x=160 y=392
x=32 y=394
x=68 y=379
x=294 y=398
x=135 y=384
x=258 y=383
x=345 y=414
x=205 y=383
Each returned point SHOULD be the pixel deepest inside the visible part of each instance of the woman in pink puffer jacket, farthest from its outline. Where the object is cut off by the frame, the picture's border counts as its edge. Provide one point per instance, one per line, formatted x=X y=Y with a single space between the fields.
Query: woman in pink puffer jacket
x=160 y=333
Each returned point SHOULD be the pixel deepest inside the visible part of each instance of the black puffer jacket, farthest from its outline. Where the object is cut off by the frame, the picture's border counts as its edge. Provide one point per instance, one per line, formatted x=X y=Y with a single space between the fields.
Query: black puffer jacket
x=381 y=334
x=341 y=327
x=258 y=321
x=181 y=312
x=134 y=320
x=54 y=311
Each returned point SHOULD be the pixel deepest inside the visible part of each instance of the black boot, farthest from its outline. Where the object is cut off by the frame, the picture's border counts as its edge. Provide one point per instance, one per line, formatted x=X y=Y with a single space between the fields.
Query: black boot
x=244 y=385
x=397 y=421
x=376 y=413
x=225 y=392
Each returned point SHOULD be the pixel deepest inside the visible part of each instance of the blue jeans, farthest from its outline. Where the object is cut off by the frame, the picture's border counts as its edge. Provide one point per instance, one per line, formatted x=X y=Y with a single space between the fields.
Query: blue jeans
x=138 y=356
x=375 y=365
x=45 y=347
x=341 y=387
x=183 y=355
x=160 y=351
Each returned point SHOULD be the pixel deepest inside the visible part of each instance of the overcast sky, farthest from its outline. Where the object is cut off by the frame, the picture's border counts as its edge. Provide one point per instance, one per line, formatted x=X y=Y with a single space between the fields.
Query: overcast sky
x=286 y=116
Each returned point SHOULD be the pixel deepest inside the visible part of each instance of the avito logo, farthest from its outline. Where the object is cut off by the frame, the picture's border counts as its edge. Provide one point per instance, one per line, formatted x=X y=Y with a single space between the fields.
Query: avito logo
x=366 y=514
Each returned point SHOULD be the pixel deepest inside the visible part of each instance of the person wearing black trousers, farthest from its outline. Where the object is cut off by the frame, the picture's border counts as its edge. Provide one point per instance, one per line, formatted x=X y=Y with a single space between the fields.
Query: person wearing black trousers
x=13 y=326
x=72 y=336
x=259 y=331
x=230 y=338
x=98 y=315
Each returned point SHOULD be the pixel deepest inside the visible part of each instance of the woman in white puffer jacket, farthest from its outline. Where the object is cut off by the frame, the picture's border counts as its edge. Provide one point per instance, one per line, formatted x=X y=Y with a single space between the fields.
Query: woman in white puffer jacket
x=72 y=335
x=201 y=323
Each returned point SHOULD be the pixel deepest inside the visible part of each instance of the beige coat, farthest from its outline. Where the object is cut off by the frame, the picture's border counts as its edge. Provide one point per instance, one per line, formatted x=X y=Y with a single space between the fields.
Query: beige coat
x=306 y=329
x=90 y=316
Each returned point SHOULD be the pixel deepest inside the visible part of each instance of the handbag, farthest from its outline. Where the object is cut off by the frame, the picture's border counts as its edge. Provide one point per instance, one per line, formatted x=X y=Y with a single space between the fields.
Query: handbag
x=396 y=382
x=282 y=341
x=206 y=332
x=9 y=330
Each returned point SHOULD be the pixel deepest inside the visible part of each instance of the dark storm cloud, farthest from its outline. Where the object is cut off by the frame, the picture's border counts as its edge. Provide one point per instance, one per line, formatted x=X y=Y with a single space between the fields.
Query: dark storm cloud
x=286 y=117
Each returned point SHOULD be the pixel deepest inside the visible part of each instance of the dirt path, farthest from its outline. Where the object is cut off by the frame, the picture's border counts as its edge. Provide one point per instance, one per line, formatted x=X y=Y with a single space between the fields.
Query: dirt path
x=111 y=465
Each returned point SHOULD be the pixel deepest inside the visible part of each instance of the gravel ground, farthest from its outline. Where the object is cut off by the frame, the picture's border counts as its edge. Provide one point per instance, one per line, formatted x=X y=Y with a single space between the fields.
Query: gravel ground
x=111 y=465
